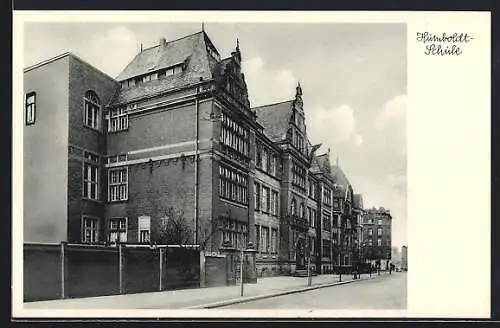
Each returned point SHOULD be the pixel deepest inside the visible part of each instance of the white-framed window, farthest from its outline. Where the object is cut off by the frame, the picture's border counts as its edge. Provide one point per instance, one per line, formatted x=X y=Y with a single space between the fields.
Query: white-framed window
x=118 y=184
x=30 y=108
x=293 y=207
x=91 y=176
x=144 y=225
x=117 y=230
x=92 y=110
x=379 y=242
x=370 y=242
x=118 y=119
x=379 y=222
x=379 y=232
x=90 y=229
x=274 y=202
x=313 y=218
x=370 y=231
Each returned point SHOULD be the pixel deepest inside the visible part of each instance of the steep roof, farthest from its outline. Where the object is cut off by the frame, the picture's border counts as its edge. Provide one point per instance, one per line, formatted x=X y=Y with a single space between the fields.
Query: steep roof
x=160 y=56
x=275 y=118
x=190 y=50
x=358 y=201
x=339 y=176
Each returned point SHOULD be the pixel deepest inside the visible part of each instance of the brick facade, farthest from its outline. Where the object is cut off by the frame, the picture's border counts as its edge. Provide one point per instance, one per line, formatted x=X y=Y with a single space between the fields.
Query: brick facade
x=192 y=142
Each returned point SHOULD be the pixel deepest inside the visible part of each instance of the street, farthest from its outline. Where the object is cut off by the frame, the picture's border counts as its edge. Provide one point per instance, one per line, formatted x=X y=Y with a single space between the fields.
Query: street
x=384 y=292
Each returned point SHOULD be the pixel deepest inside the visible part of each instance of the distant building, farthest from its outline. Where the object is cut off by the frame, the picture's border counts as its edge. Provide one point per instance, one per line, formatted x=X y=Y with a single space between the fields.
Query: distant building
x=404 y=258
x=376 y=236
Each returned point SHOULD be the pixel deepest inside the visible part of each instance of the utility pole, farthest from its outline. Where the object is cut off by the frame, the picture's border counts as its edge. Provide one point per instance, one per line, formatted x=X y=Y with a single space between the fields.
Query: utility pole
x=241 y=272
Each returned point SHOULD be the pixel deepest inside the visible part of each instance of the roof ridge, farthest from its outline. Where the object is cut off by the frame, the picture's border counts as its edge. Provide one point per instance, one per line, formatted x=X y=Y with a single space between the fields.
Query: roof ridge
x=168 y=41
x=276 y=103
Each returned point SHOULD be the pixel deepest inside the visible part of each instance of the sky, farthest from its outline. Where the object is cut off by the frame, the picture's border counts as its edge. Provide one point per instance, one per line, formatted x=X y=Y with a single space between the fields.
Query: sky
x=353 y=77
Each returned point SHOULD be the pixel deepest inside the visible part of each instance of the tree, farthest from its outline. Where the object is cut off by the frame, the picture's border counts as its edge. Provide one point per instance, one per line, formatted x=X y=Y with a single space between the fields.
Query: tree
x=173 y=228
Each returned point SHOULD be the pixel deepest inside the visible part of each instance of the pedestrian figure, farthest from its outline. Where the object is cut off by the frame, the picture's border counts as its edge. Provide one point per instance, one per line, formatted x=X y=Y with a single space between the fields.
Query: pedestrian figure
x=390 y=268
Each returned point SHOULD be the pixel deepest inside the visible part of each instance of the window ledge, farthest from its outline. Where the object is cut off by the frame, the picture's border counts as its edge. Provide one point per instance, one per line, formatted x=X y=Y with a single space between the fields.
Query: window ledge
x=117 y=131
x=118 y=201
x=92 y=200
x=91 y=128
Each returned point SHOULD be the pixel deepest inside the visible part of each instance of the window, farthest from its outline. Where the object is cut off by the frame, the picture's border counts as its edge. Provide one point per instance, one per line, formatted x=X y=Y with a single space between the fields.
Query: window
x=370 y=242
x=379 y=232
x=272 y=168
x=144 y=223
x=309 y=213
x=30 y=108
x=298 y=176
x=233 y=184
x=326 y=248
x=266 y=199
x=235 y=138
x=265 y=158
x=118 y=230
x=264 y=240
x=91 y=176
x=92 y=110
x=234 y=232
x=379 y=242
x=274 y=240
x=327 y=195
x=258 y=154
x=336 y=203
x=257 y=237
x=118 y=184
x=118 y=119
x=302 y=212
x=326 y=222
x=293 y=207
x=90 y=233
x=379 y=222
x=257 y=196
x=274 y=202
x=370 y=231
x=311 y=189
x=313 y=218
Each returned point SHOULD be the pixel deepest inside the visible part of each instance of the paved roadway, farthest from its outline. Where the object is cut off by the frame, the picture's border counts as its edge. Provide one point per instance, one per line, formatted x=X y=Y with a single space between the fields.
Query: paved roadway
x=383 y=292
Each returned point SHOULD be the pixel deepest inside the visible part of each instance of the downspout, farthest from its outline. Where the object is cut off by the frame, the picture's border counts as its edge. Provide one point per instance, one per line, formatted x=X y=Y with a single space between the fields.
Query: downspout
x=196 y=167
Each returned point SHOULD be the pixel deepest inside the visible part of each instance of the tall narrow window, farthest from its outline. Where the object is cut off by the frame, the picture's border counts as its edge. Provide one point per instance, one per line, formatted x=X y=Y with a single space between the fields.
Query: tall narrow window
x=293 y=207
x=30 y=107
x=257 y=237
x=302 y=211
x=144 y=224
x=257 y=196
x=118 y=184
x=90 y=230
x=92 y=110
x=91 y=176
x=379 y=232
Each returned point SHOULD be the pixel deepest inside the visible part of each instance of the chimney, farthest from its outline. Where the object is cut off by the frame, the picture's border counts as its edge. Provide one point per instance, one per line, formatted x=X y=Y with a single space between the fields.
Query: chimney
x=163 y=42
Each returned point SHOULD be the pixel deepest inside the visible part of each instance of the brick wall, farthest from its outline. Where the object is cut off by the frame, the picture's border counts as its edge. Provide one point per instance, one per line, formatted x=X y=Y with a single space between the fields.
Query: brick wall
x=83 y=77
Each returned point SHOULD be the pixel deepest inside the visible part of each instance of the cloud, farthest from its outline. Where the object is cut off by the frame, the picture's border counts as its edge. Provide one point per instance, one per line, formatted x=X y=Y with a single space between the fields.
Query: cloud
x=393 y=112
x=120 y=43
x=266 y=85
x=333 y=126
x=358 y=140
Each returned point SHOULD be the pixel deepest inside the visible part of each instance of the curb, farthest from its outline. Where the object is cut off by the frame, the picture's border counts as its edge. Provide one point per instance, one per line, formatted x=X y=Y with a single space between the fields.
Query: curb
x=270 y=295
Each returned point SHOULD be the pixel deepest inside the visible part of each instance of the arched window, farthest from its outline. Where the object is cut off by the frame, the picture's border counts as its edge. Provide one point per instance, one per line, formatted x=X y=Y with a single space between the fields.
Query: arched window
x=302 y=211
x=293 y=209
x=92 y=110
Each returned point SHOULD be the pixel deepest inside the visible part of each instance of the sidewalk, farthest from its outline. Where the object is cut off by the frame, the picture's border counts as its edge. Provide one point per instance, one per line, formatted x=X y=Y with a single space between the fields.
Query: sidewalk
x=178 y=299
